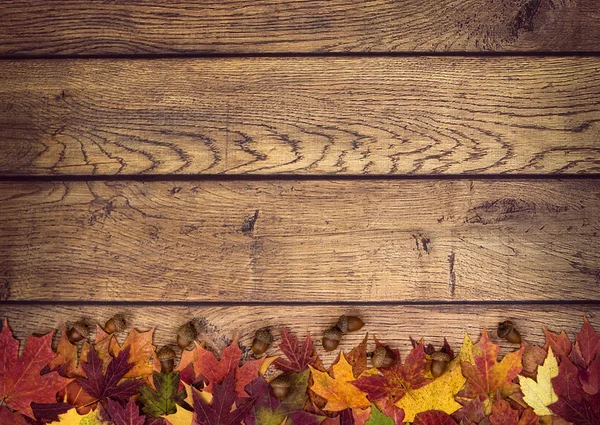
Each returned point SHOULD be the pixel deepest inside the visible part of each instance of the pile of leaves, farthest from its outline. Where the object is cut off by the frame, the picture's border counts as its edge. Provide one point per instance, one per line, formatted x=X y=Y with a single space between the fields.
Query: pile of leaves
x=111 y=384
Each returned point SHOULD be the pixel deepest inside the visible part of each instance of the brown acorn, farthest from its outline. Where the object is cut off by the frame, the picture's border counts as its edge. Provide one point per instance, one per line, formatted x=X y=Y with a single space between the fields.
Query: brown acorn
x=262 y=341
x=186 y=334
x=78 y=331
x=507 y=331
x=350 y=323
x=281 y=386
x=166 y=355
x=115 y=324
x=382 y=357
x=439 y=362
x=331 y=338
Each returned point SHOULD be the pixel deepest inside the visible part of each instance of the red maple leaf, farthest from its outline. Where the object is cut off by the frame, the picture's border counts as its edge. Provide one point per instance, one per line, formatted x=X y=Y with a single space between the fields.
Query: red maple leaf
x=20 y=380
x=488 y=376
x=560 y=343
x=392 y=383
x=472 y=411
x=215 y=371
x=587 y=343
x=10 y=418
x=503 y=414
x=434 y=417
x=299 y=355
x=128 y=415
x=220 y=412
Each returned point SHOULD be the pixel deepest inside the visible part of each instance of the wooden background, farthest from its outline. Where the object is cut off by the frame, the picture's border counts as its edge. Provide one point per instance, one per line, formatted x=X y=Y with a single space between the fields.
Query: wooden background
x=431 y=165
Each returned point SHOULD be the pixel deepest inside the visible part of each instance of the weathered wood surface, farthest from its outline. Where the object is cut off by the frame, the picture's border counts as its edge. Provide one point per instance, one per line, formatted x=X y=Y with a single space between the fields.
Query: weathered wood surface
x=391 y=324
x=405 y=115
x=213 y=26
x=353 y=240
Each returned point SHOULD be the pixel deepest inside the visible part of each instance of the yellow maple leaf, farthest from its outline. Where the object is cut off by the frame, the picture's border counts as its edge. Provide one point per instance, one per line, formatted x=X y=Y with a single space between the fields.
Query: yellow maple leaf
x=74 y=418
x=539 y=395
x=338 y=390
x=439 y=394
x=180 y=417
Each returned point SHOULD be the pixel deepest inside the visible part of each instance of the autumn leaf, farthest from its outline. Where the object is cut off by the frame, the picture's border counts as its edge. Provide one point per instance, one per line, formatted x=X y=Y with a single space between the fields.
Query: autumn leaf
x=140 y=346
x=337 y=388
x=49 y=411
x=180 y=417
x=590 y=378
x=299 y=356
x=163 y=400
x=471 y=411
x=20 y=379
x=487 y=376
x=66 y=361
x=269 y=410
x=102 y=386
x=392 y=383
x=434 y=417
x=128 y=415
x=74 y=418
x=533 y=357
x=378 y=418
x=503 y=414
x=11 y=418
x=560 y=343
x=214 y=370
x=587 y=343
x=539 y=395
x=220 y=412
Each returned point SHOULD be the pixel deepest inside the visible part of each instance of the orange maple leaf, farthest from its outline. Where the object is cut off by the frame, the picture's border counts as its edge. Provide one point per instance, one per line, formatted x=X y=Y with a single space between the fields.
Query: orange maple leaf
x=140 y=352
x=336 y=387
x=487 y=376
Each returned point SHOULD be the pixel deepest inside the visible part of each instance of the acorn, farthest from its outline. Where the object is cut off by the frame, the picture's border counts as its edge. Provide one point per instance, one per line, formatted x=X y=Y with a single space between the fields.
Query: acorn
x=166 y=355
x=262 y=341
x=507 y=331
x=115 y=324
x=186 y=334
x=350 y=323
x=382 y=357
x=439 y=362
x=331 y=338
x=281 y=386
x=78 y=331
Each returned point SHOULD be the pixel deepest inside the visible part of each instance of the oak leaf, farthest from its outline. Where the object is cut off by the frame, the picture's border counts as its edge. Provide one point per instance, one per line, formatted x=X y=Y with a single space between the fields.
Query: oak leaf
x=487 y=376
x=540 y=394
x=336 y=387
x=219 y=411
x=299 y=356
x=128 y=415
x=164 y=398
x=20 y=380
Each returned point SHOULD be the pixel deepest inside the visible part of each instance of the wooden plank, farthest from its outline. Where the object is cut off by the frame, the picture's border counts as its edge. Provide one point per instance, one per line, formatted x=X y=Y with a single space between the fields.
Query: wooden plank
x=392 y=324
x=213 y=26
x=365 y=240
x=404 y=115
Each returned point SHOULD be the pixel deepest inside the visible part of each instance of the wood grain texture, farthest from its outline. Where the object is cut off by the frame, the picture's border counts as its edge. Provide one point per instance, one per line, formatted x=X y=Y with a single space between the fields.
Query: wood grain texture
x=237 y=26
x=365 y=240
x=424 y=115
x=391 y=324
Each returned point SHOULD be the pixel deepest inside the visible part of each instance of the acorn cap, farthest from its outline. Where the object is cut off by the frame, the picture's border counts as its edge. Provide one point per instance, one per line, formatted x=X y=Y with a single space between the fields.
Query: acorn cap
x=504 y=328
x=120 y=322
x=82 y=328
x=439 y=356
x=281 y=381
x=378 y=356
x=342 y=323
x=165 y=353
x=264 y=335
x=187 y=331
x=333 y=333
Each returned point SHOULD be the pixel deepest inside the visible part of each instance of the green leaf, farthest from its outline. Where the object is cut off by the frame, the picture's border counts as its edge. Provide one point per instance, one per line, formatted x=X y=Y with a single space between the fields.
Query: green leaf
x=378 y=418
x=164 y=400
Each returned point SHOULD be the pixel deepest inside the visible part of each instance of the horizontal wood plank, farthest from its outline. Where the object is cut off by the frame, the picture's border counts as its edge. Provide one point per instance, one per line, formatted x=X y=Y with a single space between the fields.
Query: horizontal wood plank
x=352 y=240
x=404 y=115
x=391 y=324
x=215 y=26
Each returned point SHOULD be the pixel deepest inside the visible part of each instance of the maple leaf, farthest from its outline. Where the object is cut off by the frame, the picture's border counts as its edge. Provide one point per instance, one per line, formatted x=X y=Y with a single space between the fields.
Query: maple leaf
x=590 y=378
x=140 y=350
x=11 y=418
x=471 y=411
x=72 y=417
x=357 y=357
x=587 y=343
x=378 y=418
x=66 y=361
x=104 y=386
x=299 y=356
x=20 y=379
x=487 y=376
x=163 y=400
x=215 y=371
x=269 y=410
x=49 y=412
x=560 y=343
x=180 y=417
x=539 y=395
x=220 y=412
x=392 y=383
x=503 y=414
x=434 y=417
x=128 y=415
x=337 y=388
